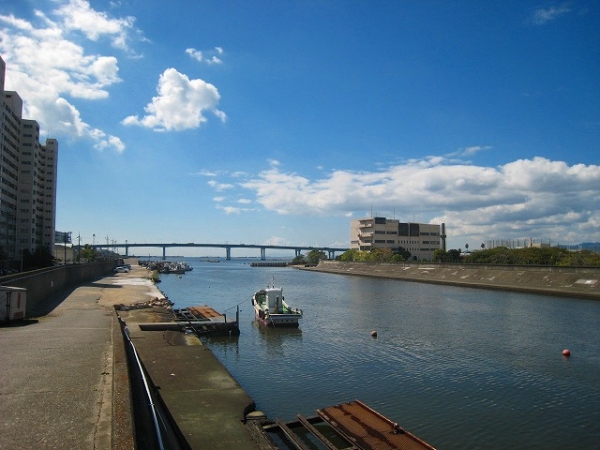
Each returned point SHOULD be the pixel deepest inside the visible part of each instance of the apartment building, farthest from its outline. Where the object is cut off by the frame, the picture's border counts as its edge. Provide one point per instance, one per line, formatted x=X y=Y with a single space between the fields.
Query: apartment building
x=420 y=239
x=28 y=172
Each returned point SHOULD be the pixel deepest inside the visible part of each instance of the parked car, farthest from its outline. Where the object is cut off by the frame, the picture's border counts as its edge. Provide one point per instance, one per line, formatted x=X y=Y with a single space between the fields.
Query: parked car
x=121 y=269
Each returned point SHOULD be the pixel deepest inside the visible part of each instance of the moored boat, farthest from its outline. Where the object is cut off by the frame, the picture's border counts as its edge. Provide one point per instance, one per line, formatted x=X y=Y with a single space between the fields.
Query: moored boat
x=271 y=309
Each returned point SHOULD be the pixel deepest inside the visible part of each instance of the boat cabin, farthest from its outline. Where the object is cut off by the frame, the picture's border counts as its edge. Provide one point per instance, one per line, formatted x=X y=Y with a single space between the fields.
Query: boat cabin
x=271 y=299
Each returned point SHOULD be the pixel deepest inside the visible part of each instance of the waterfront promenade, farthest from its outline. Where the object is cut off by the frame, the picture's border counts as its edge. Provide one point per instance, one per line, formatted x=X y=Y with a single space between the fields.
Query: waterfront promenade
x=66 y=384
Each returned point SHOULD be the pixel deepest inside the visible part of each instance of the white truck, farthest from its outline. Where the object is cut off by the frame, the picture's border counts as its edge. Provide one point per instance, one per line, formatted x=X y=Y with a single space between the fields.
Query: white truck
x=12 y=303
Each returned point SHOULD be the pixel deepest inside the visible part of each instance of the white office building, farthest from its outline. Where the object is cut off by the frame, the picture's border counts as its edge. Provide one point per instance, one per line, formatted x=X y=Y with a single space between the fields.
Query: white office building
x=420 y=239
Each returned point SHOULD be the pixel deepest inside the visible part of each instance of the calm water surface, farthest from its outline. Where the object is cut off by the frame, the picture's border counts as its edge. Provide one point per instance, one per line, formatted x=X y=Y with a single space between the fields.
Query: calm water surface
x=460 y=368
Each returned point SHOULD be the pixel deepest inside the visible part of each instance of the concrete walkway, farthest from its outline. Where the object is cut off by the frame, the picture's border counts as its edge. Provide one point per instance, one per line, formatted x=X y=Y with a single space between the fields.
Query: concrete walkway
x=65 y=382
x=57 y=374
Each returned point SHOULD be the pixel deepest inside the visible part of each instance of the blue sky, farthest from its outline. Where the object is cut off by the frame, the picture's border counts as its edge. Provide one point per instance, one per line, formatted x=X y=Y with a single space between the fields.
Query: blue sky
x=278 y=122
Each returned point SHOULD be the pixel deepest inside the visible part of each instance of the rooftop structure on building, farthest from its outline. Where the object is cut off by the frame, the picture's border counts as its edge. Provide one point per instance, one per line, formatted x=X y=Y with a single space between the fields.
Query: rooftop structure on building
x=420 y=239
x=28 y=172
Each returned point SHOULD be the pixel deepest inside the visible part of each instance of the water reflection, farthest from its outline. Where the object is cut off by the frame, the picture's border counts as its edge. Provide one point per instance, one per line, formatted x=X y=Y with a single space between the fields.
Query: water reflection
x=462 y=368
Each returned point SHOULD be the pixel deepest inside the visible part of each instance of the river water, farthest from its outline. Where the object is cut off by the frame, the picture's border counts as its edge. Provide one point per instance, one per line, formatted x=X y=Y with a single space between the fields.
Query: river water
x=460 y=368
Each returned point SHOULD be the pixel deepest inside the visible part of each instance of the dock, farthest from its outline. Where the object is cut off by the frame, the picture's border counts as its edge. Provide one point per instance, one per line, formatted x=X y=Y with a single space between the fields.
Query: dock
x=201 y=320
x=269 y=264
x=204 y=320
x=351 y=426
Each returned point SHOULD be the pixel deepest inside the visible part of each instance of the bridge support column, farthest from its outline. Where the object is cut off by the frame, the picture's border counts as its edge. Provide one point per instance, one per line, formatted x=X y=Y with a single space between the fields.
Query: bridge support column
x=164 y=253
x=331 y=254
x=298 y=252
x=262 y=253
x=228 y=253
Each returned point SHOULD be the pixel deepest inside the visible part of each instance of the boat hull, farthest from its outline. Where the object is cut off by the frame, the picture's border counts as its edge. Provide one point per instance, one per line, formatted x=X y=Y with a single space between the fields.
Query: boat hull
x=276 y=320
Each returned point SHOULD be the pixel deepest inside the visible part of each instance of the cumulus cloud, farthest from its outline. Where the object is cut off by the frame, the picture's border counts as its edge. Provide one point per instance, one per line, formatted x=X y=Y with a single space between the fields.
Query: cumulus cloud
x=49 y=69
x=77 y=15
x=528 y=197
x=179 y=105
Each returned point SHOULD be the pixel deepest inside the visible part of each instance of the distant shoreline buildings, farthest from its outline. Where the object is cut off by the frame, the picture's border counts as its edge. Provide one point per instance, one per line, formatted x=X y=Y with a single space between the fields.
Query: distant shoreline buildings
x=28 y=172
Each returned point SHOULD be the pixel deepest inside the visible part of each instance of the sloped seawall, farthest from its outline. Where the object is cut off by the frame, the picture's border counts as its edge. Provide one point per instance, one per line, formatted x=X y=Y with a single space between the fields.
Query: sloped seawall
x=582 y=282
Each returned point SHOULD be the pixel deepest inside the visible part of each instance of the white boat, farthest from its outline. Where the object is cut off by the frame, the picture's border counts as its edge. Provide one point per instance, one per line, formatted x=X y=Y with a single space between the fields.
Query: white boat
x=271 y=309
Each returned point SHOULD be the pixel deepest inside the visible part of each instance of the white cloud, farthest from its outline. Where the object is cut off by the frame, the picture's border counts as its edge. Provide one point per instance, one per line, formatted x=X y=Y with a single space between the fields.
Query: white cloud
x=45 y=66
x=275 y=240
x=179 y=105
x=77 y=15
x=219 y=186
x=524 y=198
x=212 y=57
x=232 y=209
x=206 y=173
x=543 y=15
x=474 y=149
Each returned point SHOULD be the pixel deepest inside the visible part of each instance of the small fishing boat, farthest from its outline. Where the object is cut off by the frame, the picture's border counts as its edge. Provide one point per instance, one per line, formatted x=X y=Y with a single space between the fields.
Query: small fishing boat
x=271 y=309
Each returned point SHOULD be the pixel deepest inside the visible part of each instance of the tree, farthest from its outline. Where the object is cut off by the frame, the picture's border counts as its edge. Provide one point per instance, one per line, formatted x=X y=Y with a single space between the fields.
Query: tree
x=39 y=259
x=405 y=254
x=379 y=255
x=87 y=253
x=299 y=260
x=314 y=256
x=350 y=255
x=440 y=255
x=454 y=254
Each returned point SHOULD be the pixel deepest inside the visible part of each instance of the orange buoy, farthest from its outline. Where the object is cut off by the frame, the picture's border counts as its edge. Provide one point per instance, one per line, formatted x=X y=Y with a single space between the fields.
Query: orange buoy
x=566 y=352
x=374 y=333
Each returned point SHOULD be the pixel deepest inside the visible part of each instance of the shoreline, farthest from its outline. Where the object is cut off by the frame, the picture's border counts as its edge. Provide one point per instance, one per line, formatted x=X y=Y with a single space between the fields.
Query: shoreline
x=573 y=282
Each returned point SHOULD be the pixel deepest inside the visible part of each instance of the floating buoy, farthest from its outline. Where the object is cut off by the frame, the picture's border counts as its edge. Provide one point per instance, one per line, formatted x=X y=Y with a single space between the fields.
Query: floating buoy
x=566 y=352
x=374 y=333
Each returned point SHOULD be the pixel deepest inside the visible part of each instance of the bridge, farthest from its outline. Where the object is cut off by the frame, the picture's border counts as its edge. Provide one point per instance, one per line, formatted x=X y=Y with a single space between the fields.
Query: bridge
x=263 y=248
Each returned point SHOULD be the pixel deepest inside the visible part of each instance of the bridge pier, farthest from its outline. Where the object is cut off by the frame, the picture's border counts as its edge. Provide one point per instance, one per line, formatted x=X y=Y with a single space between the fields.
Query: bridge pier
x=263 y=248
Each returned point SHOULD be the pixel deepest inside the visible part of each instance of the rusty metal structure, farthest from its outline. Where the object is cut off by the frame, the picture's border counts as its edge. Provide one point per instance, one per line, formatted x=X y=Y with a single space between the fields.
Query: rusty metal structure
x=347 y=426
x=204 y=320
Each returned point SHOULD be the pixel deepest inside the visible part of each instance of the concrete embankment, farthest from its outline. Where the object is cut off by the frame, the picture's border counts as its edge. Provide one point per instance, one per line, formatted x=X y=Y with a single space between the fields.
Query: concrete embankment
x=581 y=282
x=67 y=384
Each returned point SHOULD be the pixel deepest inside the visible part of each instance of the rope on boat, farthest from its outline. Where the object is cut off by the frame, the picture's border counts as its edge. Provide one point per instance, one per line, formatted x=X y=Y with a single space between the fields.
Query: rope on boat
x=235 y=306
